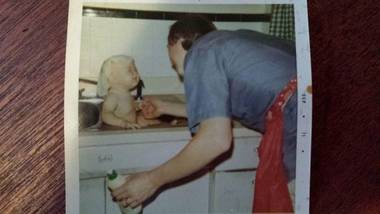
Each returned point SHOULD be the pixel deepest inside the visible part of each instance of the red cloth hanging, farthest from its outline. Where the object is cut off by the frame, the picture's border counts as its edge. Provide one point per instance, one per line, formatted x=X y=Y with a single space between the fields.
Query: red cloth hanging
x=271 y=189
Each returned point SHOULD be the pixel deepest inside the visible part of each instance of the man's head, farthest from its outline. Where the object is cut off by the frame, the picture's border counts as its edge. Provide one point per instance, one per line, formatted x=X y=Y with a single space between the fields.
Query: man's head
x=182 y=35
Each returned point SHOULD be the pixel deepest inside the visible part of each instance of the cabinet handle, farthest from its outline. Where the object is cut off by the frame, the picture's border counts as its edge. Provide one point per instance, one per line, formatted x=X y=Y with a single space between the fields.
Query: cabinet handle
x=105 y=158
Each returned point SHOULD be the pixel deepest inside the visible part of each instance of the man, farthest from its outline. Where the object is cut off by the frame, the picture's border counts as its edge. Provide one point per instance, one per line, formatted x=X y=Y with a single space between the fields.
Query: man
x=227 y=75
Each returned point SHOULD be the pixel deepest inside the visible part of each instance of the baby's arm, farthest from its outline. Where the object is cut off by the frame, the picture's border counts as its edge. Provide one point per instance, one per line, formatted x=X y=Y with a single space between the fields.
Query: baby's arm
x=108 y=116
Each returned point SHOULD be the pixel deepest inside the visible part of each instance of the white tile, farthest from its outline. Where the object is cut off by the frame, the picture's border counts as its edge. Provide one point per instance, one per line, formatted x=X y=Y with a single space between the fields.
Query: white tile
x=85 y=27
x=145 y=40
x=85 y=47
x=100 y=26
x=95 y=66
x=84 y=67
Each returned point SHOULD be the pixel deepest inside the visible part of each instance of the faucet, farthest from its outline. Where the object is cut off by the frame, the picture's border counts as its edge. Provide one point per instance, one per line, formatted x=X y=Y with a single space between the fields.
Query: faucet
x=81 y=92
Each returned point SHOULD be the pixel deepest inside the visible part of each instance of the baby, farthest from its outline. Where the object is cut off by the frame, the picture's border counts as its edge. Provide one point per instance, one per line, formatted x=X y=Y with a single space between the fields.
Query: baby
x=118 y=76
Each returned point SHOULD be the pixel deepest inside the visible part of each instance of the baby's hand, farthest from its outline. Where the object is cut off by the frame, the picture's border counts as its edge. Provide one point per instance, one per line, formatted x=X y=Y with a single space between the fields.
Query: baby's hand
x=146 y=122
x=151 y=107
x=130 y=125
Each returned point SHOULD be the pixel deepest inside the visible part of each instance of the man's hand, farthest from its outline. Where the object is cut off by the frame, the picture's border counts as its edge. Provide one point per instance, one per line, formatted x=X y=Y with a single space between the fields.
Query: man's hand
x=152 y=108
x=137 y=188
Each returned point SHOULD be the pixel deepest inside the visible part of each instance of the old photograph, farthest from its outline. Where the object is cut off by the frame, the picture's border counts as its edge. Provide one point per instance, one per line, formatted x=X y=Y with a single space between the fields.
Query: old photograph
x=189 y=107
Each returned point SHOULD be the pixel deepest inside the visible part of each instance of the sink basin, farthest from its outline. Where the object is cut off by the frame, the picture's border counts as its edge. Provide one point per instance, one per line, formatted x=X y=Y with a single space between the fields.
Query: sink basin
x=89 y=113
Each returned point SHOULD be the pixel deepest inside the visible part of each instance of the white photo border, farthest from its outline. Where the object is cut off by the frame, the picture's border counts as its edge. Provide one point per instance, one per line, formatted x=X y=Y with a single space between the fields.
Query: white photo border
x=304 y=121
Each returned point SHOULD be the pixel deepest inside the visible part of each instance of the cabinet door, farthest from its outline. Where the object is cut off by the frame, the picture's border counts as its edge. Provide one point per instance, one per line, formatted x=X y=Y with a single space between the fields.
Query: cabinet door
x=92 y=199
x=233 y=192
x=244 y=155
x=191 y=197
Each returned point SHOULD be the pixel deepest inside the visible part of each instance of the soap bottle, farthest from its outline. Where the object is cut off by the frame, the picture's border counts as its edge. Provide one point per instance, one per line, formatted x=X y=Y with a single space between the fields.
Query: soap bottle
x=114 y=180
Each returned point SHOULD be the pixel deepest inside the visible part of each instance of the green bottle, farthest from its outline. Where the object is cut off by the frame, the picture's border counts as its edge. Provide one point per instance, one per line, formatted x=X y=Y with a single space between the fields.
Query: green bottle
x=114 y=180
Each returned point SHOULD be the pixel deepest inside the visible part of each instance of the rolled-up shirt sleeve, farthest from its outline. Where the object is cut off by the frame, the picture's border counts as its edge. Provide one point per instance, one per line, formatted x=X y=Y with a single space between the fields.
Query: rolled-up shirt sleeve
x=206 y=87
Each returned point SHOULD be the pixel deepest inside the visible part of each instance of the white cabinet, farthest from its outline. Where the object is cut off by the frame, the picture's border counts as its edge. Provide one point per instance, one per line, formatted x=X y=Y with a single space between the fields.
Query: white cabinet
x=217 y=192
x=226 y=189
x=192 y=197
x=92 y=196
x=244 y=155
x=100 y=159
x=233 y=192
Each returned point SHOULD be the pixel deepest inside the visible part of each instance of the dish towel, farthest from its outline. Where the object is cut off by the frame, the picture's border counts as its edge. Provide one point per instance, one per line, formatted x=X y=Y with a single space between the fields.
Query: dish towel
x=271 y=191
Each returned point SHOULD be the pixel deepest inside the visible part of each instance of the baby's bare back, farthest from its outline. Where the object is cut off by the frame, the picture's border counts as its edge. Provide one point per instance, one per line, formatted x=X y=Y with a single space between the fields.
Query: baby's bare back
x=125 y=108
x=119 y=111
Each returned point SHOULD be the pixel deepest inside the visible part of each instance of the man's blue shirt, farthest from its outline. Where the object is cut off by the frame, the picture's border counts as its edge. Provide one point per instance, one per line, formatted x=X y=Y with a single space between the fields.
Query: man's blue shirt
x=238 y=74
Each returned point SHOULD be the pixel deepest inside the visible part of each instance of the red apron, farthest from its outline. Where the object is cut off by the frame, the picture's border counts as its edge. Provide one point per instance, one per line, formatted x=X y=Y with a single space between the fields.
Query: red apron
x=271 y=189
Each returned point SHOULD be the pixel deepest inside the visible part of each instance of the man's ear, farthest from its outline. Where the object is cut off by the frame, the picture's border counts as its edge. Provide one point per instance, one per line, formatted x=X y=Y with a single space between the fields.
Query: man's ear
x=186 y=44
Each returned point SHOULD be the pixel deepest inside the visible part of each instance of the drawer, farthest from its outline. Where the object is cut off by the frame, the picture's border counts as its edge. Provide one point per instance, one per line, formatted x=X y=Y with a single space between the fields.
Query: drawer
x=96 y=161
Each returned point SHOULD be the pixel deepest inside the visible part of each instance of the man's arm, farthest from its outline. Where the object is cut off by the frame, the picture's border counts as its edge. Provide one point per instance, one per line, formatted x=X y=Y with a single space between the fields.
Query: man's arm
x=213 y=139
x=174 y=109
x=153 y=108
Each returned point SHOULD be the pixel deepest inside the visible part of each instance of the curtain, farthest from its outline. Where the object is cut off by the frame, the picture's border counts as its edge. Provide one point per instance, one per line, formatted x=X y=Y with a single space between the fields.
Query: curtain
x=282 y=21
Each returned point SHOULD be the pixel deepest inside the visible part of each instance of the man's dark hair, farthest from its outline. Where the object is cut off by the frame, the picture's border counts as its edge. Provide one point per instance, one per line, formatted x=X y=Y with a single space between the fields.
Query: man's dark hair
x=190 y=27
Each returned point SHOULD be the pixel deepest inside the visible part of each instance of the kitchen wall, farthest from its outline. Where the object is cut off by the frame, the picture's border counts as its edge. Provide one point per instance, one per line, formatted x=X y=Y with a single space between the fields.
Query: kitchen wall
x=145 y=40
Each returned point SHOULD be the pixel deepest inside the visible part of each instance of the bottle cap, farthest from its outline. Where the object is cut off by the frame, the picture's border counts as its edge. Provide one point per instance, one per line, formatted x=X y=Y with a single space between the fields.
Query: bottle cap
x=112 y=175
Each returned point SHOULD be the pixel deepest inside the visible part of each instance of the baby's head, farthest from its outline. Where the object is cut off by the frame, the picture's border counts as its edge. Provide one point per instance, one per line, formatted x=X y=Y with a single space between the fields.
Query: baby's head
x=118 y=72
